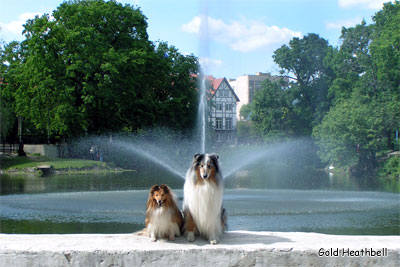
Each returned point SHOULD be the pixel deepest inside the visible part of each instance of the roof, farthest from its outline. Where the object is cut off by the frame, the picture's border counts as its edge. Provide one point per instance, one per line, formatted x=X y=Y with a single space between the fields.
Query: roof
x=216 y=84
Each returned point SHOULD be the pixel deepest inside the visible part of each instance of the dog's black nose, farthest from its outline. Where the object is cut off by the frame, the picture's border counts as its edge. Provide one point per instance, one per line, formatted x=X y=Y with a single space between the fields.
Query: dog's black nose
x=159 y=202
x=205 y=176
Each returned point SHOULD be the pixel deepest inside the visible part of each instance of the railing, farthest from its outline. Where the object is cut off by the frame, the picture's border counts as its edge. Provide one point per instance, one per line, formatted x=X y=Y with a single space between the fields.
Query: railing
x=8 y=148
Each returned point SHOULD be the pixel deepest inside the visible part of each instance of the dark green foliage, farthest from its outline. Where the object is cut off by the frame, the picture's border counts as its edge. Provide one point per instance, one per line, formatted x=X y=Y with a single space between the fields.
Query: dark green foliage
x=90 y=68
x=303 y=61
x=273 y=113
x=391 y=168
x=347 y=97
x=366 y=92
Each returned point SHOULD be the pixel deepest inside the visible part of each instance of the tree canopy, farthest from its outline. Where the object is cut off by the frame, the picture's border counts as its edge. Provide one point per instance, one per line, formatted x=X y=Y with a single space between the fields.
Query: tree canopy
x=347 y=98
x=90 y=68
x=366 y=114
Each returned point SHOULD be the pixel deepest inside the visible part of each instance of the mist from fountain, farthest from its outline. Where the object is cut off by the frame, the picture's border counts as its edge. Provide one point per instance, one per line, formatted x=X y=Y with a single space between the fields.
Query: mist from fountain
x=150 y=154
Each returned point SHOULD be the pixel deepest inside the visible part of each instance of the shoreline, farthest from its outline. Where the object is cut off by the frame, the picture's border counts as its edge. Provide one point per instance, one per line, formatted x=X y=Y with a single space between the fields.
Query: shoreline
x=34 y=171
x=42 y=166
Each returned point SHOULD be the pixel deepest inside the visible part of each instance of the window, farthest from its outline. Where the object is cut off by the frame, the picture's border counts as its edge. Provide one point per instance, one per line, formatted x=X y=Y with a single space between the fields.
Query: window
x=257 y=85
x=219 y=137
x=218 y=123
x=228 y=107
x=229 y=138
x=223 y=92
x=219 y=106
x=228 y=123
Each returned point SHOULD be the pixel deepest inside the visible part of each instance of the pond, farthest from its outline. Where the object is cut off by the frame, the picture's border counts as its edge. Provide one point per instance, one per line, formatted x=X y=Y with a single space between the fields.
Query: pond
x=313 y=201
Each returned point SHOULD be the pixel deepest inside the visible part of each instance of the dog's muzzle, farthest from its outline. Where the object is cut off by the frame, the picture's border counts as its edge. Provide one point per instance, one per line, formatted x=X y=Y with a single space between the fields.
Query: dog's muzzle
x=205 y=176
x=159 y=203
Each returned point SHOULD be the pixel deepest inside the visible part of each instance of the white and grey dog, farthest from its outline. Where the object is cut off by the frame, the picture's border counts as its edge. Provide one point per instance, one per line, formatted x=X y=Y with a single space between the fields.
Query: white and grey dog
x=202 y=202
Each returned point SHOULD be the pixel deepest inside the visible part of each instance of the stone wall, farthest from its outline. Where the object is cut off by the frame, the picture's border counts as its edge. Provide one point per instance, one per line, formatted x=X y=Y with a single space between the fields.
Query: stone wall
x=50 y=151
x=238 y=248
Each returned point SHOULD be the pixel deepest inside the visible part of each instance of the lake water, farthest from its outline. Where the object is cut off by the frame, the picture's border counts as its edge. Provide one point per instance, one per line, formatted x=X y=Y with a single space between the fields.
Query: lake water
x=115 y=203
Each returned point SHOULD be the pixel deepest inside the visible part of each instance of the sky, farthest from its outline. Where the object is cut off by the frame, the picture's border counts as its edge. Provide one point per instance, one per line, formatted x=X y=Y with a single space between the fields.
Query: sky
x=230 y=37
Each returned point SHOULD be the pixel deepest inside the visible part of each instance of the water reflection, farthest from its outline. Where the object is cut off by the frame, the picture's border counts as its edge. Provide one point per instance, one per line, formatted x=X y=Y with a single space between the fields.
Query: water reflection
x=255 y=176
x=334 y=212
x=268 y=197
x=20 y=184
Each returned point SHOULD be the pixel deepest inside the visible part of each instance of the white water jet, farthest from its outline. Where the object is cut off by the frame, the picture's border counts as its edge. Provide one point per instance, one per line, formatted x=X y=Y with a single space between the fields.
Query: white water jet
x=202 y=112
x=240 y=159
x=168 y=165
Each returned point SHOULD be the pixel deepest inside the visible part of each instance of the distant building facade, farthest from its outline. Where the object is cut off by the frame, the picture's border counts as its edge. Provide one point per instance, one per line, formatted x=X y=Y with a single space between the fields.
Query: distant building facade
x=246 y=86
x=222 y=111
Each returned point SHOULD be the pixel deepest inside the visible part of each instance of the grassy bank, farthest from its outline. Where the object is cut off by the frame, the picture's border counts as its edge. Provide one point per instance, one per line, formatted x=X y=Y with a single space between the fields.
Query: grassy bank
x=30 y=163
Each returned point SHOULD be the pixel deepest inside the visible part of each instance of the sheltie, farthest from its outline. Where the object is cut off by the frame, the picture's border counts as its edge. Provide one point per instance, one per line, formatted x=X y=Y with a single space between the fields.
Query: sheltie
x=163 y=218
x=202 y=202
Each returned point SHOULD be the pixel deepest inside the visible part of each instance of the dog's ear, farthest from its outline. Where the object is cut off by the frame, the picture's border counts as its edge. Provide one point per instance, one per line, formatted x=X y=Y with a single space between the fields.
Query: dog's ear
x=165 y=188
x=214 y=157
x=197 y=157
x=154 y=188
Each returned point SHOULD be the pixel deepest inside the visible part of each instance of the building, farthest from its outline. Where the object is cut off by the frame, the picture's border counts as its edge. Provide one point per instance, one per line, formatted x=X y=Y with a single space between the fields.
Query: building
x=246 y=86
x=222 y=111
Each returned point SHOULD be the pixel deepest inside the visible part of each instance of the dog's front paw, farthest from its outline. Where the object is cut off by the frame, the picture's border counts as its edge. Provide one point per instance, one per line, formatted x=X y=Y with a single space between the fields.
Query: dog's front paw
x=213 y=242
x=171 y=237
x=190 y=237
x=153 y=238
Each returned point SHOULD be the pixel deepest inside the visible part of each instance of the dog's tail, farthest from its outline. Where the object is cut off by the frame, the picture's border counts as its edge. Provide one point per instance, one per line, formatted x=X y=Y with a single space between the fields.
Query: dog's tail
x=141 y=232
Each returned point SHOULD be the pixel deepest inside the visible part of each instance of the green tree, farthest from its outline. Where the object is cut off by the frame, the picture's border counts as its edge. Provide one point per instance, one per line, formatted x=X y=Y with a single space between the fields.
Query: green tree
x=176 y=93
x=246 y=132
x=303 y=61
x=272 y=112
x=351 y=134
x=90 y=68
x=351 y=61
x=245 y=112
x=10 y=64
x=84 y=67
x=385 y=54
x=366 y=92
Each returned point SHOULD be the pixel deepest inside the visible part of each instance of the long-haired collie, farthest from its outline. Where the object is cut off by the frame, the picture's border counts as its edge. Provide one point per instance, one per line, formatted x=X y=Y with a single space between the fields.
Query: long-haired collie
x=163 y=218
x=202 y=202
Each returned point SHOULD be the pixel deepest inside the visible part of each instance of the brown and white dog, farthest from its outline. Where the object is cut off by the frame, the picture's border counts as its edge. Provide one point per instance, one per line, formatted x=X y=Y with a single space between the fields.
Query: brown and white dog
x=163 y=218
x=202 y=202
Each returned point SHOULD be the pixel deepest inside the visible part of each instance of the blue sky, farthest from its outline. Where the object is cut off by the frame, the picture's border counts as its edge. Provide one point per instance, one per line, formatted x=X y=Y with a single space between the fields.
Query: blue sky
x=233 y=37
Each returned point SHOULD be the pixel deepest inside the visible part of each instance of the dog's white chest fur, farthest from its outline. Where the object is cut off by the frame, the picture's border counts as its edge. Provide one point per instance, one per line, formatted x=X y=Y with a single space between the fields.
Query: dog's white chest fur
x=161 y=223
x=204 y=200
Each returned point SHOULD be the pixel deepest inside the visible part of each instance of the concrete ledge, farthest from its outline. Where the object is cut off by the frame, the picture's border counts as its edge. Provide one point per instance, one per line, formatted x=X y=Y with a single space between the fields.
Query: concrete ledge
x=238 y=248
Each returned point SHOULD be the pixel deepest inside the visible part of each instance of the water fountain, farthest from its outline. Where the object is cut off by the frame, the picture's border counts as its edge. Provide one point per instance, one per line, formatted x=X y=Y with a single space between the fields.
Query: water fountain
x=265 y=199
x=101 y=205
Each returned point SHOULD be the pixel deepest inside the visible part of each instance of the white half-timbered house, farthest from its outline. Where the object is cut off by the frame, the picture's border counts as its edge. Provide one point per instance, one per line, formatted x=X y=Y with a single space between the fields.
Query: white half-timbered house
x=222 y=111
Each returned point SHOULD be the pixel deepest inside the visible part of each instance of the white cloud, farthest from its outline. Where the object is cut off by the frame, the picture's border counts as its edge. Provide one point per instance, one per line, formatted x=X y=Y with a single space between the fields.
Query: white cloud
x=242 y=35
x=207 y=63
x=16 y=27
x=370 y=4
x=343 y=23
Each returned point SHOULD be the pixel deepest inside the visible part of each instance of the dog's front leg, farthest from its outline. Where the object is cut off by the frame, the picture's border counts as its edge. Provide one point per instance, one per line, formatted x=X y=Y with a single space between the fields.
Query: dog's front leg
x=153 y=237
x=189 y=226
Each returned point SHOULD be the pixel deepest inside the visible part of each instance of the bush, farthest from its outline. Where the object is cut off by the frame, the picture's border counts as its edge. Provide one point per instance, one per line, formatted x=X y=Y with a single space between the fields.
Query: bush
x=391 y=168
